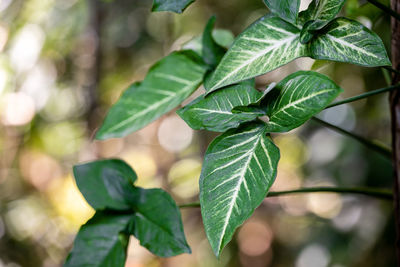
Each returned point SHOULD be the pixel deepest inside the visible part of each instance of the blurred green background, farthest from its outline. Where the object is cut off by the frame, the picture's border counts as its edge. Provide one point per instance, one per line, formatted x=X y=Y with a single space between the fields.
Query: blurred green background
x=64 y=62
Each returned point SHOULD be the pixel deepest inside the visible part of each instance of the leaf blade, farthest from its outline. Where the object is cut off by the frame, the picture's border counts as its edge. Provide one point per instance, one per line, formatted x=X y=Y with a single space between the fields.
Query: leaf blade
x=212 y=52
x=297 y=98
x=286 y=9
x=323 y=10
x=106 y=184
x=252 y=53
x=157 y=223
x=346 y=40
x=177 y=6
x=234 y=165
x=100 y=242
x=167 y=84
x=214 y=112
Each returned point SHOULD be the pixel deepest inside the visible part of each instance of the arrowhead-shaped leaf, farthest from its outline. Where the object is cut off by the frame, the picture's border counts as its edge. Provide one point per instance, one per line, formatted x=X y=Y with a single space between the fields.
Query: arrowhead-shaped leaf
x=286 y=9
x=106 y=184
x=267 y=44
x=176 y=6
x=297 y=98
x=212 y=52
x=323 y=10
x=157 y=223
x=214 y=112
x=349 y=41
x=100 y=242
x=168 y=83
x=238 y=170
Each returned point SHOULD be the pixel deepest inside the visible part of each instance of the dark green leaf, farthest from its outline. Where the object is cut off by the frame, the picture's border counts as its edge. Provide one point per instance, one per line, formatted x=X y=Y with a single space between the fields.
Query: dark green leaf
x=167 y=84
x=286 y=9
x=176 y=6
x=106 y=184
x=238 y=170
x=100 y=242
x=214 y=113
x=349 y=41
x=212 y=51
x=157 y=223
x=297 y=98
x=267 y=44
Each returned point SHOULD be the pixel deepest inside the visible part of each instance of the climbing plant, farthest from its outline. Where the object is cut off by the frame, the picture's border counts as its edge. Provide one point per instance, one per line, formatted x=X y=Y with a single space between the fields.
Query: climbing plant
x=240 y=165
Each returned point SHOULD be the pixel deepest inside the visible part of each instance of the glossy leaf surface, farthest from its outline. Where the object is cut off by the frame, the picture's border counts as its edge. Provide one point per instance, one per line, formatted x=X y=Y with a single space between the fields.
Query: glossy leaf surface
x=297 y=98
x=349 y=41
x=286 y=9
x=100 y=242
x=106 y=184
x=157 y=223
x=323 y=10
x=167 y=84
x=214 y=112
x=238 y=170
x=267 y=44
x=176 y=6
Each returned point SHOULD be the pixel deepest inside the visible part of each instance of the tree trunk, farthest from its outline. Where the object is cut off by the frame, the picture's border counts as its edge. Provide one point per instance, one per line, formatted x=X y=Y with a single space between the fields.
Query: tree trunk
x=395 y=116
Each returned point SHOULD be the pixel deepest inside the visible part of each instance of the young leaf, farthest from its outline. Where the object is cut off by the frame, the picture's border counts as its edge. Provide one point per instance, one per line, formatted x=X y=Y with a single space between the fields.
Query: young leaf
x=168 y=83
x=214 y=112
x=267 y=44
x=212 y=52
x=238 y=170
x=157 y=223
x=297 y=98
x=106 y=184
x=222 y=37
x=323 y=10
x=100 y=242
x=286 y=9
x=349 y=41
x=176 y=6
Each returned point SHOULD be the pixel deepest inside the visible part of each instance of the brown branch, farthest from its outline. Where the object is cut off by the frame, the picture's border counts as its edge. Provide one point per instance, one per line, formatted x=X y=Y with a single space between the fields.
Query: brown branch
x=395 y=118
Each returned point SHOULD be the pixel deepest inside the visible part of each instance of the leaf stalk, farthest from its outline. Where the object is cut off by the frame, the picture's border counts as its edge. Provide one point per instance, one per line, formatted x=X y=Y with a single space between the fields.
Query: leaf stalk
x=372 y=192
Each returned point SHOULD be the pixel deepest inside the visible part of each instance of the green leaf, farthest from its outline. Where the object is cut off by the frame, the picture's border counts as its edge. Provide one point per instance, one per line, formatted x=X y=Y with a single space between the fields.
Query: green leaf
x=267 y=44
x=222 y=37
x=238 y=170
x=286 y=9
x=168 y=83
x=157 y=223
x=176 y=6
x=297 y=98
x=100 y=242
x=323 y=10
x=106 y=184
x=212 y=52
x=349 y=41
x=214 y=113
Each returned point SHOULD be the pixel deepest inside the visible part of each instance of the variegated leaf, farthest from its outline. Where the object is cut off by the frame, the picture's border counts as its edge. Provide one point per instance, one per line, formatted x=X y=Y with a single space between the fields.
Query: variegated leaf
x=349 y=41
x=297 y=98
x=323 y=10
x=168 y=83
x=286 y=9
x=214 y=112
x=238 y=170
x=267 y=44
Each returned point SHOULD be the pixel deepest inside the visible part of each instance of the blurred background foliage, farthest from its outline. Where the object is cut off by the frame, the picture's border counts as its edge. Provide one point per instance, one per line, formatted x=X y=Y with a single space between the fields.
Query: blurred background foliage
x=64 y=62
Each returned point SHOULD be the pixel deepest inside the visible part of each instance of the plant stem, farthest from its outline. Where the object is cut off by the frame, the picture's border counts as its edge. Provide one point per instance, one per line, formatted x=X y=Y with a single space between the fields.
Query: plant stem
x=394 y=100
x=383 y=150
x=386 y=9
x=372 y=192
x=365 y=95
